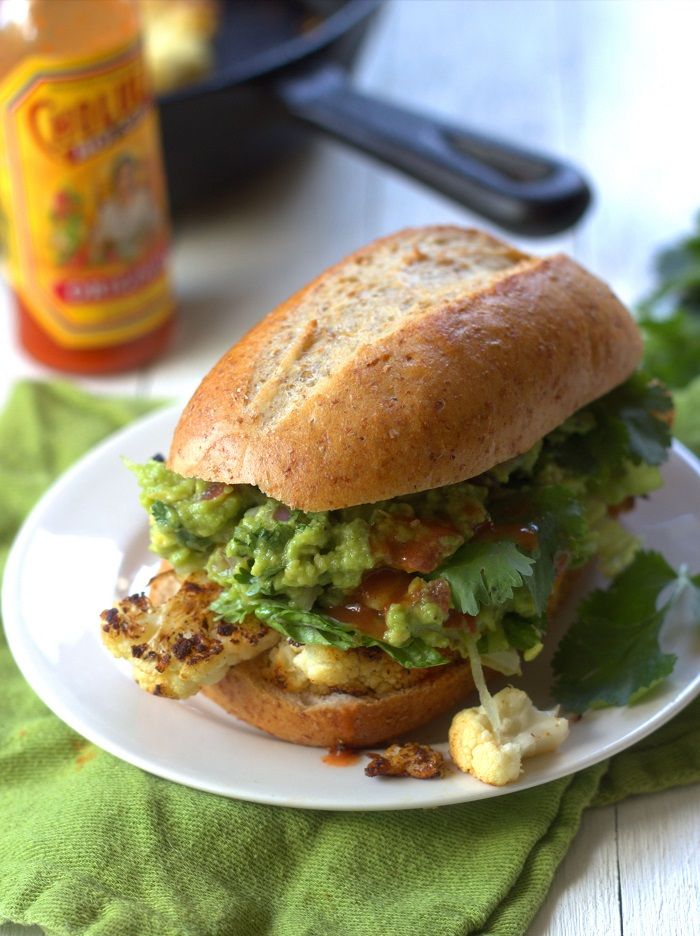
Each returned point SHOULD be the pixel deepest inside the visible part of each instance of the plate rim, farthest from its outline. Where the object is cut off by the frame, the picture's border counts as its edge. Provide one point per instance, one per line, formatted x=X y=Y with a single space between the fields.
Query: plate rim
x=20 y=649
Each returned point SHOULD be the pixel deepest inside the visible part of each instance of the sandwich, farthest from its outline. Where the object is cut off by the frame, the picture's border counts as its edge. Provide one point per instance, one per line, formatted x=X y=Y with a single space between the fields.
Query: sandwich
x=378 y=497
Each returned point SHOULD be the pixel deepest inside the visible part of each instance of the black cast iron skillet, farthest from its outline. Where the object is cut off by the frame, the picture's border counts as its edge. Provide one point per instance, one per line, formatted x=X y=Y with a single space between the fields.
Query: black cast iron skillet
x=283 y=66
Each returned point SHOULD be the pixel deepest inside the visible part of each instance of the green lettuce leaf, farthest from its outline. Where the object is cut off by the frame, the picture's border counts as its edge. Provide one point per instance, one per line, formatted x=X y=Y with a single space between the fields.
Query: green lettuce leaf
x=506 y=662
x=484 y=573
x=310 y=627
x=611 y=655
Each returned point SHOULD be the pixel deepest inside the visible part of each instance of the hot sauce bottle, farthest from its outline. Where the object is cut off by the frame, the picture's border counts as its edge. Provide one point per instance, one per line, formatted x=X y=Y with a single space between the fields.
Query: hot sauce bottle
x=83 y=212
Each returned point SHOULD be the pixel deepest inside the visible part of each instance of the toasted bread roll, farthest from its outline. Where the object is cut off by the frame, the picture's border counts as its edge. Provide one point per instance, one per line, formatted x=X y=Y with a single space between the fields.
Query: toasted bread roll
x=423 y=359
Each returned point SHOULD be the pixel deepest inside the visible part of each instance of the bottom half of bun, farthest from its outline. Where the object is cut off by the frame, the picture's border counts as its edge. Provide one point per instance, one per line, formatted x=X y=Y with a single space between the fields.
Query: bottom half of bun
x=337 y=718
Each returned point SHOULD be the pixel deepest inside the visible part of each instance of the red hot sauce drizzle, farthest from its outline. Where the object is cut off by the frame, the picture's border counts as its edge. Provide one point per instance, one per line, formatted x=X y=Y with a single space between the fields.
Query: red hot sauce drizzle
x=341 y=756
x=525 y=535
x=365 y=609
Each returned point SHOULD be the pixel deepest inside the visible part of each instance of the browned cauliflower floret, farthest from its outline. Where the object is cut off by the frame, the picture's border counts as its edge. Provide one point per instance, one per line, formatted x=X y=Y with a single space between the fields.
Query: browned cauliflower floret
x=179 y=645
x=419 y=761
x=495 y=754
x=323 y=670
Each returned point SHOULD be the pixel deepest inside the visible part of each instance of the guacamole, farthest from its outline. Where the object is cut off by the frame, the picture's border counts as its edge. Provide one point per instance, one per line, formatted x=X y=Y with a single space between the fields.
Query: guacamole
x=424 y=575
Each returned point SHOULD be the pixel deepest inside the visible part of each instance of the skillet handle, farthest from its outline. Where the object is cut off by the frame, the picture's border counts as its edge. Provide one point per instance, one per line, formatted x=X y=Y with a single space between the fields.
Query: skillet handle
x=524 y=192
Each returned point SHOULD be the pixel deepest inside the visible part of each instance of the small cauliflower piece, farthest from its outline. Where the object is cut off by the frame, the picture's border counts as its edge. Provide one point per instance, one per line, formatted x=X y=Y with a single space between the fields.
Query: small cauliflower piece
x=495 y=754
x=324 y=670
x=174 y=641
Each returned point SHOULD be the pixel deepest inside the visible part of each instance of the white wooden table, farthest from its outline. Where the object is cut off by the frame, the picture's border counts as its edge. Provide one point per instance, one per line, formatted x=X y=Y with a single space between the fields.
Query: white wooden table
x=611 y=84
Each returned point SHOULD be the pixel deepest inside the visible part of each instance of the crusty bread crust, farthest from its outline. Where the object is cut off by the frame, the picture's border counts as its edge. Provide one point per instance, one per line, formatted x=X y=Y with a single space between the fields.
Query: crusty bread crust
x=423 y=359
x=327 y=720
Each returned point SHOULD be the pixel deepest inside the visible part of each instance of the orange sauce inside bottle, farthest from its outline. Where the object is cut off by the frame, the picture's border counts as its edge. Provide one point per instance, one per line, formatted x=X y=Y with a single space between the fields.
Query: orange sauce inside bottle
x=65 y=30
x=60 y=27
x=89 y=360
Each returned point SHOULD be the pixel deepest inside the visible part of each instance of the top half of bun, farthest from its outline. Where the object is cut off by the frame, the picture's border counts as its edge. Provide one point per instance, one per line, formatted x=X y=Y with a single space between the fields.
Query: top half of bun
x=421 y=360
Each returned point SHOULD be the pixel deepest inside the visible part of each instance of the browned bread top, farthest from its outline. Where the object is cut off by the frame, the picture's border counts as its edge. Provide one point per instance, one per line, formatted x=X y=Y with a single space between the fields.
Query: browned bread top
x=421 y=360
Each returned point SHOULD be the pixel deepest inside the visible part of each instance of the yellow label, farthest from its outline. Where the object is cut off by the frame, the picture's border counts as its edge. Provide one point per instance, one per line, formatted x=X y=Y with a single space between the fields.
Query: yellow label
x=83 y=197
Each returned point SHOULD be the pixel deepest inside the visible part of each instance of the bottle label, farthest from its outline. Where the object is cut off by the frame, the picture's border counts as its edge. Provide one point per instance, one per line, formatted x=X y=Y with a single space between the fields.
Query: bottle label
x=82 y=197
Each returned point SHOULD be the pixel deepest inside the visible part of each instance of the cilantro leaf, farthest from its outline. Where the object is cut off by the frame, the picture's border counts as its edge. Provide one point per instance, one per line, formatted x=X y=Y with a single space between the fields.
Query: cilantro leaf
x=695 y=584
x=679 y=267
x=637 y=404
x=611 y=655
x=590 y=453
x=555 y=514
x=672 y=347
x=310 y=627
x=561 y=525
x=629 y=427
x=670 y=317
x=484 y=573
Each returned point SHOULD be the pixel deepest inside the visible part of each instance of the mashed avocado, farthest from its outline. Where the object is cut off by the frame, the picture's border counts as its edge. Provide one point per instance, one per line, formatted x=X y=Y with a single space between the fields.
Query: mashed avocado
x=189 y=516
x=293 y=554
x=237 y=532
x=475 y=560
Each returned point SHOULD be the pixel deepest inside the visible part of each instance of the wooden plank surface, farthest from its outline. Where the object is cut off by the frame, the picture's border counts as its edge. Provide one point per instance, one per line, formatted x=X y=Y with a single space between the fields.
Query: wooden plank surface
x=584 y=898
x=608 y=84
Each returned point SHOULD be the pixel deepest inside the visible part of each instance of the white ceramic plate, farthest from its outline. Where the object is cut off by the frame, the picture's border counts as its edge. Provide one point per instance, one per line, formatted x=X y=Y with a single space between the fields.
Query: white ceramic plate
x=86 y=542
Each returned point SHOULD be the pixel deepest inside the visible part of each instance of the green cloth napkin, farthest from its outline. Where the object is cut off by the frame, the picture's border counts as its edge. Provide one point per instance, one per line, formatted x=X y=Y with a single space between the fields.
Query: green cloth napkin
x=91 y=845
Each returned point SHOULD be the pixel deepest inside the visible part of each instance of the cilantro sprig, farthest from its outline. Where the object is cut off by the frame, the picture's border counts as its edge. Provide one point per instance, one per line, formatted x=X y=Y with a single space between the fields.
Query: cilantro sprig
x=485 y=573
x=556 y=515
x=611 y=655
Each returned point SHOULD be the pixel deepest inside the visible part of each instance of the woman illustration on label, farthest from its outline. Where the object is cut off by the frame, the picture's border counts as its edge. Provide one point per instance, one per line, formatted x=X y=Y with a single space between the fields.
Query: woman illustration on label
x=128 y=220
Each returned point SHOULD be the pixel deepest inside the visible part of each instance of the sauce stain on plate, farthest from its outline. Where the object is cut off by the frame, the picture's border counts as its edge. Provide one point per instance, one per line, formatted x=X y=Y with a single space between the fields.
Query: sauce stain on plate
x=341 y=756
